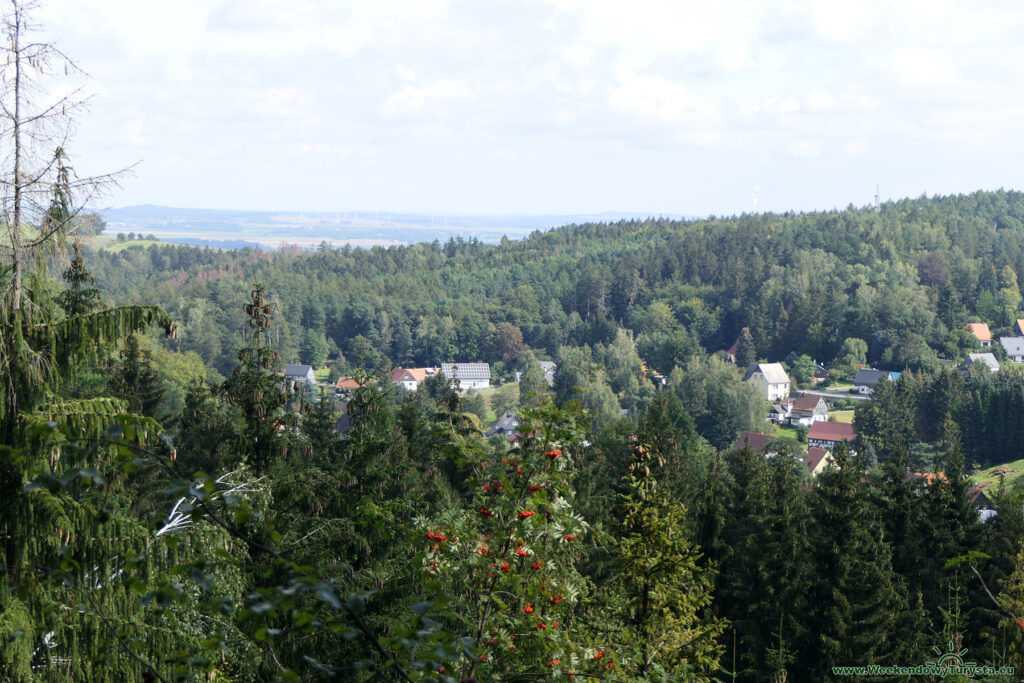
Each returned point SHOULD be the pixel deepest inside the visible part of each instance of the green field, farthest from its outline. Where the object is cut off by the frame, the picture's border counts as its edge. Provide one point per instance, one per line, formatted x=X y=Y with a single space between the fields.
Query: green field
x=110 y=243
x=784 y=431
x=841 y=416
x=1012 y=471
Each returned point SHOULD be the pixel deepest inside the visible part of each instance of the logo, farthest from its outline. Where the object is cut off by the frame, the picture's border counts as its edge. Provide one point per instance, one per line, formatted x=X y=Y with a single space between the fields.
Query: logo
x=949 y=663
x=951 y=659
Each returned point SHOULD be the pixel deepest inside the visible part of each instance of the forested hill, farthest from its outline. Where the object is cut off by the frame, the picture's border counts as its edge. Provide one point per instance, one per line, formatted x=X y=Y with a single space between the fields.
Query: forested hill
x=903 y=278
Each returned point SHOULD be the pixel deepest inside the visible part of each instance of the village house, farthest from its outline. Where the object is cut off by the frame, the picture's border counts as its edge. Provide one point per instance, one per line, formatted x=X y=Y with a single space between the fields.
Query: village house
x=346 y=385
x=867 y=379
x=469 y=375
x=986 y=361
x=981 y=333
x=300 y=373
x=548 y=366
x=779 y=413
x=1014 y=347
x=982 y=503
x=808 y=409
x=410 y=378
x=828 y=435
x=730 y=353
x=772 y=379
x=507 y=425
x=755 y=441
x=975 y=494
x=817 y=459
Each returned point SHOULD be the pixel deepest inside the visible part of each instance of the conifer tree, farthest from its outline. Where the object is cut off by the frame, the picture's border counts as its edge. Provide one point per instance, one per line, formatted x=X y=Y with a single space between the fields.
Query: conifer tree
x=746 y=349
x=81 y=296
x=257 y=390
x=135 y=381
x=854 y=595
x=662 y=590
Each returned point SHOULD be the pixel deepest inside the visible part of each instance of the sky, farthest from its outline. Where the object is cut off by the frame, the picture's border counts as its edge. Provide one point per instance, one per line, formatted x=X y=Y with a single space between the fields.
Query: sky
x=544 y=106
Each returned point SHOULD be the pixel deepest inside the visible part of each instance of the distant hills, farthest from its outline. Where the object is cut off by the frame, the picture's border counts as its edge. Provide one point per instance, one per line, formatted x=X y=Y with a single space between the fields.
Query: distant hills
x=235 y=229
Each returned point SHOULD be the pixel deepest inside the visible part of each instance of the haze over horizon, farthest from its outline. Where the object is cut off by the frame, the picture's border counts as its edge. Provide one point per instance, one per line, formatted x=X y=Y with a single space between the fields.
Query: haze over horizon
x=545 y=106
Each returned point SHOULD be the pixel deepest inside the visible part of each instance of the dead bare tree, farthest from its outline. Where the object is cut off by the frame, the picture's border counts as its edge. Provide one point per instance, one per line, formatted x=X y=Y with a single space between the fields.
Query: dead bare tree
x=40 y=194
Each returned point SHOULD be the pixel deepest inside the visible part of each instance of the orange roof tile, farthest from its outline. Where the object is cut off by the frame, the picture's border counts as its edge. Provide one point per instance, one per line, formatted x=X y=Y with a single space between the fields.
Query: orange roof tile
x=980 y=330
x=347 y=383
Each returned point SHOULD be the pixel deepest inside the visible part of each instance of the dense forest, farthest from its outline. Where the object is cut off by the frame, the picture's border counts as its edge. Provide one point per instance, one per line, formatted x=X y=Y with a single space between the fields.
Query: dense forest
x=174 y=508
x=889 y=288
x=175 y=512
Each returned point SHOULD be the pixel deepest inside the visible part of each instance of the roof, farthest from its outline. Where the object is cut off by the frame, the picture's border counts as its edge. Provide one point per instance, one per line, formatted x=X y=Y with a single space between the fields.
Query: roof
x=773 y=373
x=980 y=330
x=466 y=371
x=979 y=499
x=986 y=359
x=755 y=441
x=868 y=377
x=806 y=402
x=297 y=370
x=411 y=374
x=831 y=431
x=1014 y=345
x=929 y=477
x=507 y=424
x=815 y=454
x=347 y=384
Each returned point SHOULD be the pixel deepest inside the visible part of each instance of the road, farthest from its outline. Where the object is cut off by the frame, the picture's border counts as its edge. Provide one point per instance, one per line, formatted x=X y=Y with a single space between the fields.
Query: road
x=837 y=395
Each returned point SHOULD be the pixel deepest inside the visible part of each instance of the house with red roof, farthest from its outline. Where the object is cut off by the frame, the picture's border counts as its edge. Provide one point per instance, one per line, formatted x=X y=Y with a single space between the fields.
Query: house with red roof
x=808 y=409
x=346 y=384
x=755 y=441
x=981 y=333
x=410 y=378
x=828 y=435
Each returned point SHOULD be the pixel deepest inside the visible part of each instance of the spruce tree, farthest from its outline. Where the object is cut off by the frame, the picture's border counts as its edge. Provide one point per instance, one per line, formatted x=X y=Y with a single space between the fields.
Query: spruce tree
x=662 y=590
x=256 y=389
x=854 y=595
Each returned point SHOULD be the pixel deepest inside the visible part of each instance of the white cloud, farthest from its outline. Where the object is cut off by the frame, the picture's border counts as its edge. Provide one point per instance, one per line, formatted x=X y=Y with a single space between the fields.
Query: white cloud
x=805 y=149
x=922 y=68
x=657 y=98
x=218 y=88
x=429 y=98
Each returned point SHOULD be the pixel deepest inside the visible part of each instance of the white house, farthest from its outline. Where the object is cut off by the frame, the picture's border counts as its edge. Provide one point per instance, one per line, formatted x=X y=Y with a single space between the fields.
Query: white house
x=470 y=375
x=300 y=373
x=548 y=366
x=410 y=378
x=807 y=410
x=772 y=378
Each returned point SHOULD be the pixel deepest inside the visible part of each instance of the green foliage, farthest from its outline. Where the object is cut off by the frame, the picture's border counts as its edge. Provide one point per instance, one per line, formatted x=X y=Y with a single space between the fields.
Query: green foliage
x=722 y=405
x=508 y=558
x=664 y=592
